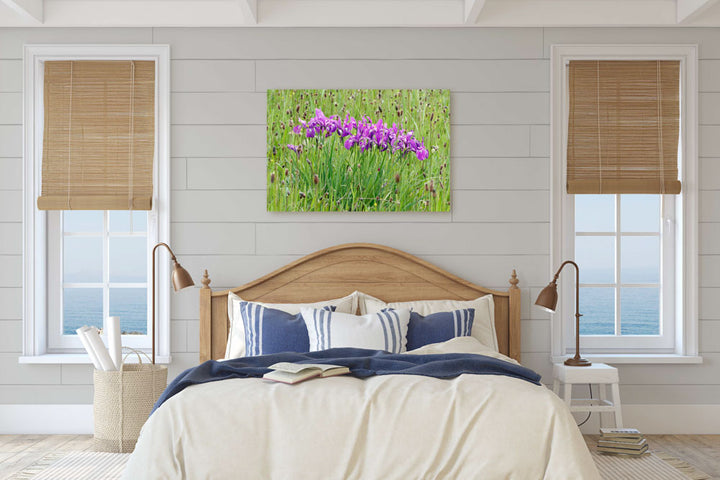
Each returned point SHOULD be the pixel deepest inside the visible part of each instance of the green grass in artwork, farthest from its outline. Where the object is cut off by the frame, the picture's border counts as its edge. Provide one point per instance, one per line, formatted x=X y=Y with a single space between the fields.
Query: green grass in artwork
x=358 y=150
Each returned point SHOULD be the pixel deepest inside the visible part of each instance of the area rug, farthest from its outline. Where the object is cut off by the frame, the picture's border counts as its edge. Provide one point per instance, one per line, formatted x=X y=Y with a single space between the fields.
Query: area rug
x=651 y=466
x=110 y=466
x=75 y=466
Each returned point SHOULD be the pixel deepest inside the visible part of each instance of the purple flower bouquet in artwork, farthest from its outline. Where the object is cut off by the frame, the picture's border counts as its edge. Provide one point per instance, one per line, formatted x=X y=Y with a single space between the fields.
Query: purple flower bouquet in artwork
x=358 y=150
x=363 y=134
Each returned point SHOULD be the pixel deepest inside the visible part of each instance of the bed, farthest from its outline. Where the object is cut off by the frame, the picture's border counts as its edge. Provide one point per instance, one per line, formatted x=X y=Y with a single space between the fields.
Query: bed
x=385 y=426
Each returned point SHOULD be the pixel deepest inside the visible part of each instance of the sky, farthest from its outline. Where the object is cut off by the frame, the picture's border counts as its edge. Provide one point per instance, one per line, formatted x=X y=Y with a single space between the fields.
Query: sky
x=640 y=255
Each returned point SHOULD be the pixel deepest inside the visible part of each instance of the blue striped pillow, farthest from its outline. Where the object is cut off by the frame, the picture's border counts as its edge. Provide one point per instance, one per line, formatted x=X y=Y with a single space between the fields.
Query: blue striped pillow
x=273 y=331
x=377 y=331
x=439 y=327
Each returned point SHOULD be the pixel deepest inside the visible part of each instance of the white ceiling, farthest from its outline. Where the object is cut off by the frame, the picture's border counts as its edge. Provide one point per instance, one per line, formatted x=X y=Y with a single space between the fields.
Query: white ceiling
x=352 y=13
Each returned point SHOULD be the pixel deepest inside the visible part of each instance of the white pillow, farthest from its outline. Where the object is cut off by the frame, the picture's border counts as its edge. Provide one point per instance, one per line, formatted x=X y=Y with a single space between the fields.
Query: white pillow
x=483 y=325
x=377 y=331
x=236 y=336
x=460 y=345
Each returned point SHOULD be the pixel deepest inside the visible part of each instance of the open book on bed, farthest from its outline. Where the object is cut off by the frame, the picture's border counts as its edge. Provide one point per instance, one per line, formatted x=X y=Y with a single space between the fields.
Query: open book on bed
x=292 y=373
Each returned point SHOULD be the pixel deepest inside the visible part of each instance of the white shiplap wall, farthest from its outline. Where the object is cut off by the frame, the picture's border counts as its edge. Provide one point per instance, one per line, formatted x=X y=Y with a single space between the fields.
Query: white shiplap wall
x=499 y=80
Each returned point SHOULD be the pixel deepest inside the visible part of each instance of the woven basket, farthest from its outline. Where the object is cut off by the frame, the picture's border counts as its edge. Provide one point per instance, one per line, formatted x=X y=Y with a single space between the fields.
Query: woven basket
x=122 y=403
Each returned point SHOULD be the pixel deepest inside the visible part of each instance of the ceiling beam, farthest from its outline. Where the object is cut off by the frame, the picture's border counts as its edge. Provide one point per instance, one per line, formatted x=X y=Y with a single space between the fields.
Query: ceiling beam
x=358 y=13
x=31 y=9
x=472 y=10
x=249 y=10
x=690 y=9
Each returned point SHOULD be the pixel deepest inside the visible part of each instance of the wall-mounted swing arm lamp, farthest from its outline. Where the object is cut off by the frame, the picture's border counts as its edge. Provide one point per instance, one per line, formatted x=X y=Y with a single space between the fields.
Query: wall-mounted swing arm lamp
x=547 y=300
x=180 y=279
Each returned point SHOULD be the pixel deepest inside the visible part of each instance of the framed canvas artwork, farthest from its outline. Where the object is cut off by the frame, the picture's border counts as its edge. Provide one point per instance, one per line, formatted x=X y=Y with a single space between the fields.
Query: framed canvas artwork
x=358 y=150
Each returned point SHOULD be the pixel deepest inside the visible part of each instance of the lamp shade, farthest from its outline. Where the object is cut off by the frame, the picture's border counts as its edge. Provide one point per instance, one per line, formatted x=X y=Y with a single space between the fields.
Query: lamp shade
x=181 y=278
x=548 y=297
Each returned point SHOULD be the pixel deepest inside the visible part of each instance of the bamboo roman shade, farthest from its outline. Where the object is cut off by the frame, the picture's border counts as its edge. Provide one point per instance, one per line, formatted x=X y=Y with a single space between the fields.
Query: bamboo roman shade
x=99 y=135
x=624 y=126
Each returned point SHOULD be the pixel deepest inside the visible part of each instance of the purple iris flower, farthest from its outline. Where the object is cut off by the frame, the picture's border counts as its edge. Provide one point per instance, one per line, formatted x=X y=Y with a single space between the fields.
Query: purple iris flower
x=331 y=126
x=345 y=128
x=295 y=148
x=422 y=154
x=350 y=142
x=365 y=144
x=363 y=133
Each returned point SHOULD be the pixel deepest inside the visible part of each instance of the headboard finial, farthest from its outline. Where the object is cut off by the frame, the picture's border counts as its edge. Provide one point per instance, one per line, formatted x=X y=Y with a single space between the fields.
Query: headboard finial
x=205 y=280
x=514 y=279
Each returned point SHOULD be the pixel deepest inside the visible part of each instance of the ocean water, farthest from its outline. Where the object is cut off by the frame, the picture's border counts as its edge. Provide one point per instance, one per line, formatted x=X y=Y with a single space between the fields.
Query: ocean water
x=640 y=311
x=83 y=306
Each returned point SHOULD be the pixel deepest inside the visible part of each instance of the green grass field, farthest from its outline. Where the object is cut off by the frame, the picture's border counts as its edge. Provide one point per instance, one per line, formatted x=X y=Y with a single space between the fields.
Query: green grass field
x=376 y=173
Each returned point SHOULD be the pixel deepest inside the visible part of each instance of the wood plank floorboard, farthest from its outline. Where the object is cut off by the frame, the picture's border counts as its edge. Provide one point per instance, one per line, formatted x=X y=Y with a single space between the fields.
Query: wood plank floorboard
x=19 y=451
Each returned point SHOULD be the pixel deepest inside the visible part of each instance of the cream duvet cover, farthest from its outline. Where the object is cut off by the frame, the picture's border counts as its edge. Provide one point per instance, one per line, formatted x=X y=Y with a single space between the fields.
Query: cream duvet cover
x=383 y=427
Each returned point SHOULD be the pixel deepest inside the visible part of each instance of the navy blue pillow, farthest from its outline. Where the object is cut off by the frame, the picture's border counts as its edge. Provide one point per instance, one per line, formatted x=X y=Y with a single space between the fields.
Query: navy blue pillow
x=273 y=331
x=438 y=327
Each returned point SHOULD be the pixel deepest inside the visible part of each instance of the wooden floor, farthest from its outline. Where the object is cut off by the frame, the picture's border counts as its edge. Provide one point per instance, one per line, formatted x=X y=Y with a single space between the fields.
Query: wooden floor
x=19 y=451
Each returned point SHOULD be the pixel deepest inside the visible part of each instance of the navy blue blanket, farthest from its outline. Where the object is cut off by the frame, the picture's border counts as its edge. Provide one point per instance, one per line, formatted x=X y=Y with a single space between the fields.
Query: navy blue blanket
x=362 y=363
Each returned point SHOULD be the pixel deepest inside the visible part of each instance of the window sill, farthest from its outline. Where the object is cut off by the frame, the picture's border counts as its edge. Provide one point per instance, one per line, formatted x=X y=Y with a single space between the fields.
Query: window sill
x=78 y=359
x=643 y=358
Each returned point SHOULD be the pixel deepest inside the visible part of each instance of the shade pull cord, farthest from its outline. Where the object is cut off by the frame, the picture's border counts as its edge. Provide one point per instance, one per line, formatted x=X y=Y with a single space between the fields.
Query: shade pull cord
x=132 y=137
x=67 y=190
x=600 y=171
x=571 y=114
x=660 y=130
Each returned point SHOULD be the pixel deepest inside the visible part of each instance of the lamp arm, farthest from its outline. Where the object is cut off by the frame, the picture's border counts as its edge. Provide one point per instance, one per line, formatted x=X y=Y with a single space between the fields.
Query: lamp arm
x=577 y=283
x=557 y=274
x=172 y=255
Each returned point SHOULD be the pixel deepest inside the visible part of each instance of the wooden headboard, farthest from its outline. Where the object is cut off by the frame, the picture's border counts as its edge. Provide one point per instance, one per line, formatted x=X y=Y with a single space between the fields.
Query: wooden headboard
x=383 y=272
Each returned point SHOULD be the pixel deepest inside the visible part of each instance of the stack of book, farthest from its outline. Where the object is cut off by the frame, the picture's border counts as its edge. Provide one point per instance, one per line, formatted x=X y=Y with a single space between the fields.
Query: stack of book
x=625 y=441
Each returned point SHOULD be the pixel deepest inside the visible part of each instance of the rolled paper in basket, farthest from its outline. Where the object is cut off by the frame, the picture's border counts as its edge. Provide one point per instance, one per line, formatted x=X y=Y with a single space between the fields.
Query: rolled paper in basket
x=96 y=343
x=114 y=341
x=88 y=348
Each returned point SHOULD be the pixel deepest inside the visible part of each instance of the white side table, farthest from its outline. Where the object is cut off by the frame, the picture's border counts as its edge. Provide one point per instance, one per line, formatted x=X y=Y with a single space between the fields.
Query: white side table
x=599 y=374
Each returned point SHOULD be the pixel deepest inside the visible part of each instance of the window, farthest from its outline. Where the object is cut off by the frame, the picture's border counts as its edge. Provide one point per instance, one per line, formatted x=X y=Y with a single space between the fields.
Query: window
x=98 y=268
x=626 y=286
x=637 y=252
x=82 y=266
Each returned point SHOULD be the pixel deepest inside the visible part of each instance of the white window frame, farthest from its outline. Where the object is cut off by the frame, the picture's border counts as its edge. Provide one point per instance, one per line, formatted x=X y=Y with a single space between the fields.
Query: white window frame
x=57 y=342
x=663 y=343
x=35 y=222
x=684 y=225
